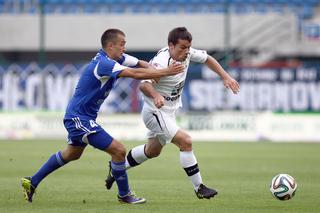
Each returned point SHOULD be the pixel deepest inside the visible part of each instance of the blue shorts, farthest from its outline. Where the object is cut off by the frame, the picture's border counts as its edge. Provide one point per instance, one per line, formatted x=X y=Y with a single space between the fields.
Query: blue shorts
x=82 y=132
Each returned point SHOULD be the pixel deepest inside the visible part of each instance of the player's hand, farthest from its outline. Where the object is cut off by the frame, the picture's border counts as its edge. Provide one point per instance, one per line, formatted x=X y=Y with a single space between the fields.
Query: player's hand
x=175 y=68
x=232 y=84
x=158 y=101
x=155 y=80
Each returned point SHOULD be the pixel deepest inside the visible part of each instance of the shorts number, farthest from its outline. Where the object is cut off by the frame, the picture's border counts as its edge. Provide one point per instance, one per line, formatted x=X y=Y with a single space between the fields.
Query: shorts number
x=93 y=123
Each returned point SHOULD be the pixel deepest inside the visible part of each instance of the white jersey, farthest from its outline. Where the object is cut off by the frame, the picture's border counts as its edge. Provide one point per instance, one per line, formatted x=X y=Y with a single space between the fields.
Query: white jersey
x=170 y=87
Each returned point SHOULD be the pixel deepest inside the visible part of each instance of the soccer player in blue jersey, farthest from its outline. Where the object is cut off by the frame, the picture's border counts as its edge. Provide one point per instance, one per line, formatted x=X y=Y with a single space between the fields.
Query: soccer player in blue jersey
x=93 y=88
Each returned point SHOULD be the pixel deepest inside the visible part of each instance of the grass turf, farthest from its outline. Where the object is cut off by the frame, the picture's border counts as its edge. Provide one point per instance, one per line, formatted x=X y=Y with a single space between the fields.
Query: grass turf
x=241 y=172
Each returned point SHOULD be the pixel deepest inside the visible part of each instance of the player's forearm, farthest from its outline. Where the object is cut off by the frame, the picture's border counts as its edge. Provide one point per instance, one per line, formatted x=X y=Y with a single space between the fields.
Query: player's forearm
x=149 y=73
x=140 y=73
x=147 y=89
x=214 y=65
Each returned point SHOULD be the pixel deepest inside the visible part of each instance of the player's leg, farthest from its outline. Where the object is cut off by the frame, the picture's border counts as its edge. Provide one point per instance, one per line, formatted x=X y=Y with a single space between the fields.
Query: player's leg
x=137 y=156
x=162 y=128
x=189 y=163
x=141 y=153
x=55 y=161
x=103 y=141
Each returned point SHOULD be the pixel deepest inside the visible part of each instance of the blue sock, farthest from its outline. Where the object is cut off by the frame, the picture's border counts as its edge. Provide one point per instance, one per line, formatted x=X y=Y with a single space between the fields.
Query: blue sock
x=54 y=162
x=120 y=175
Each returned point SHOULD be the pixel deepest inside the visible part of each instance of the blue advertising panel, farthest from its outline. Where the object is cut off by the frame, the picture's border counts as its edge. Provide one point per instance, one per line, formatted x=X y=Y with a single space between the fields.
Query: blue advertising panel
x=282 y=90
x=31 y=87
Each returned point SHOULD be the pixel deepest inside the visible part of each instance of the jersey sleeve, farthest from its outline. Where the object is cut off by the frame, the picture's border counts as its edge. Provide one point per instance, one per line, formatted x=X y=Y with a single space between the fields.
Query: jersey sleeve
x=128 y=60
x=199 y=56
x=157 y=63
x=109 y=68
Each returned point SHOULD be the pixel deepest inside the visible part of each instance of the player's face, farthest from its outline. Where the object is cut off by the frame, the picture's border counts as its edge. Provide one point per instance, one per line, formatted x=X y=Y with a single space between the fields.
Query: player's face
x=118 y=47
x=180 y=51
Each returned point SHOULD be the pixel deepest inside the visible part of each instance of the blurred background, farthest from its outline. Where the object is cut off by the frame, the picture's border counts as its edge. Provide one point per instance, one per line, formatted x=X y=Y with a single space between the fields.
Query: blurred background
x=272 y=47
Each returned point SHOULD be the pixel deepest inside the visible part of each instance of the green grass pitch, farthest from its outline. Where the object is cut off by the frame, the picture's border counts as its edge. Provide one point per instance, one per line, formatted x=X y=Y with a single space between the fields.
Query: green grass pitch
x=241 y=172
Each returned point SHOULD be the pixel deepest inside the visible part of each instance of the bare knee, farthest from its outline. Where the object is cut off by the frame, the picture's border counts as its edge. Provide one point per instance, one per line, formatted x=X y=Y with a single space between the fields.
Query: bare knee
x=152 y=152
x=153 y=148
x=117 y=151
x=186 y=144
x=120 y=151
x=71 y=154
x=183 y=141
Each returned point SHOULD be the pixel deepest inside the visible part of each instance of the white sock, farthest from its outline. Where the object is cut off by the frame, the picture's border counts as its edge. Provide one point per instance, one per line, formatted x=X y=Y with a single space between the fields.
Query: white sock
x=136 y=156
x=189 y=164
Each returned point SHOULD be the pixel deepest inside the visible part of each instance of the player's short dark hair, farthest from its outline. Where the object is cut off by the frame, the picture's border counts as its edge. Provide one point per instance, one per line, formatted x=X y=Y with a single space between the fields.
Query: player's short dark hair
x=179 y=33
x=110 y=35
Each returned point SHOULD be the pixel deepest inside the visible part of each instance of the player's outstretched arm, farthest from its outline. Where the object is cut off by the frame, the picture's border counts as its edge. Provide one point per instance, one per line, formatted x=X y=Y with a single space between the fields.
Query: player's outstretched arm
x=151 y=73
x=228 y=81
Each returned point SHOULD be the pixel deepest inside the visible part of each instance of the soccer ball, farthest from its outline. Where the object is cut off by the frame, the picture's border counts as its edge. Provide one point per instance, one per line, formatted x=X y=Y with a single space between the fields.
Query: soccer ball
x=283 y=186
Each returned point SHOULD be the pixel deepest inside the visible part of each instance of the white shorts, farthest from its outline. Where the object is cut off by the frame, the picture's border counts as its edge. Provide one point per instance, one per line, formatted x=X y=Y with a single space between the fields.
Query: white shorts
x=161 y=125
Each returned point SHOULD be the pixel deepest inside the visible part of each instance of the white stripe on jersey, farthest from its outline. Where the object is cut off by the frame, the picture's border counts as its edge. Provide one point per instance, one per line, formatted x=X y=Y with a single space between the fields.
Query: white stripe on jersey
x=95 y=71
x=129 y=61
x=118 y=67
x=103 y=79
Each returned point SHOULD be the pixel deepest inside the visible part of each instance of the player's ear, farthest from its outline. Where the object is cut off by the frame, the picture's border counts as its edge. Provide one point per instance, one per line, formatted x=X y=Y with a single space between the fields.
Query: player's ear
x=109 y=45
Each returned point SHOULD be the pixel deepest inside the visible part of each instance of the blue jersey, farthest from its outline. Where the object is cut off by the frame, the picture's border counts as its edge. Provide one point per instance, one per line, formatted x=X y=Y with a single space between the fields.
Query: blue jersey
x=95 y=84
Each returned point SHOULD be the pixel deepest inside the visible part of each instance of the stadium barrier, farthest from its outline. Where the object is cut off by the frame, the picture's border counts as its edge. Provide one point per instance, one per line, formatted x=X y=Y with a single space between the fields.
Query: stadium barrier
x=283 y=90
x=221 y=126
x=26 y=90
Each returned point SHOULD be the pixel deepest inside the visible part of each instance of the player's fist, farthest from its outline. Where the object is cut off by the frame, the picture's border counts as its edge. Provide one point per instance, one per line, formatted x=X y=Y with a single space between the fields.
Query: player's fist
x=158 y=101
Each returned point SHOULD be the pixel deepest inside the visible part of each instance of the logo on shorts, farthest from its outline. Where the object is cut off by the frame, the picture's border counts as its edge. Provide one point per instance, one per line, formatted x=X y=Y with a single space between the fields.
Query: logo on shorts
x=173 y=98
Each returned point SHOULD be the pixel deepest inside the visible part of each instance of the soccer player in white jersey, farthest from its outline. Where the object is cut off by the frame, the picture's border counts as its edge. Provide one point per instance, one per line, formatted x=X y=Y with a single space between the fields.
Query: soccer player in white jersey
x=94 y=86
x=161 y=101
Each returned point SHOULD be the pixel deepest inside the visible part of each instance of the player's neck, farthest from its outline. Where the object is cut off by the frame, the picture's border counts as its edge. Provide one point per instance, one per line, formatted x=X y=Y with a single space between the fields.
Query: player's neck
x=109 y=54
x=172 y=55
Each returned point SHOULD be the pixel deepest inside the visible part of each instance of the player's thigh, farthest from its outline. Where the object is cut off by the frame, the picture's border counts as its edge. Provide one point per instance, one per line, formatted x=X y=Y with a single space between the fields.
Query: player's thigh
x=161 y=125
x=100 y=140
x=103 y=141
x=82 y=132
